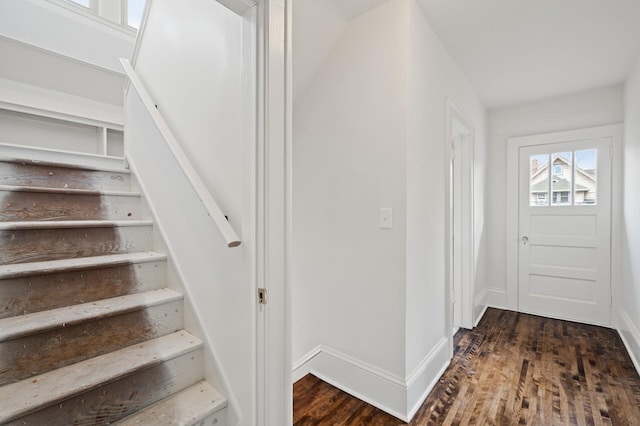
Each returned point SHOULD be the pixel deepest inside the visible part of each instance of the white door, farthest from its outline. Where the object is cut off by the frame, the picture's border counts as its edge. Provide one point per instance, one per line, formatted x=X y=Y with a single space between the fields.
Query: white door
x=564 y=253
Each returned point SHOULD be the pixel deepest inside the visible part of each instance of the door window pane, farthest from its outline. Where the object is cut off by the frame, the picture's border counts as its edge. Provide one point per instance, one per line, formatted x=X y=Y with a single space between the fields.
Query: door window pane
x=561 y=182
x=539 y=180
x=586 y=177
x=135 y=9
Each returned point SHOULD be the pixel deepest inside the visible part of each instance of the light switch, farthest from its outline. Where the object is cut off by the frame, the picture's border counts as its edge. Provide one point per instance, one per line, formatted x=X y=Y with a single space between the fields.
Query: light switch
x=386 y=218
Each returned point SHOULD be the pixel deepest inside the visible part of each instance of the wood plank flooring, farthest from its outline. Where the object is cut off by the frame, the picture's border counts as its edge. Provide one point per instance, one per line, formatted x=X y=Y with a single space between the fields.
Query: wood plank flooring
x=512 y=369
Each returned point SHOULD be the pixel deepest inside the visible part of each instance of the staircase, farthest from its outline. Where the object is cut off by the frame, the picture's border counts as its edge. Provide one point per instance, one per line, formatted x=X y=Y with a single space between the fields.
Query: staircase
x=89 y=333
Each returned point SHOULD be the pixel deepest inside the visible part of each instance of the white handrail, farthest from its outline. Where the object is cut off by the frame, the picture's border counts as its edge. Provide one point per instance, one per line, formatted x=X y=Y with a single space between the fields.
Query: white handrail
x=210 y=204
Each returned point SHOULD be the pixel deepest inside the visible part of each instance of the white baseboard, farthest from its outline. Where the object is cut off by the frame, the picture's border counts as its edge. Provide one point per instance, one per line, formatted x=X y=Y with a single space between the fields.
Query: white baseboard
x=426 y=375
x=302 y=367
x=489 y=298
x=480 y=315
x=387 y=391
x=630 y=337
x=371 y=384
x=496 y=298
x=479 y=306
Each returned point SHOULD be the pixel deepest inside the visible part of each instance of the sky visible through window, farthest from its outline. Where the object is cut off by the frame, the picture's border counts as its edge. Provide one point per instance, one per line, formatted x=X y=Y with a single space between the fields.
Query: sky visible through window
x=85 y=3
x=586 y=159
x=134 y=12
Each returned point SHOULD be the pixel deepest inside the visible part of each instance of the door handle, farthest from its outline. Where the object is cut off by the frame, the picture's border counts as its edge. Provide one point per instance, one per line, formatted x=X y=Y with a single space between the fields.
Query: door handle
x=525 y=240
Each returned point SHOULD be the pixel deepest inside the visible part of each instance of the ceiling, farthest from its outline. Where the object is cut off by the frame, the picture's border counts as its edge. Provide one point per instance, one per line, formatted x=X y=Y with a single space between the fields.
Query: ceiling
x=514 y=51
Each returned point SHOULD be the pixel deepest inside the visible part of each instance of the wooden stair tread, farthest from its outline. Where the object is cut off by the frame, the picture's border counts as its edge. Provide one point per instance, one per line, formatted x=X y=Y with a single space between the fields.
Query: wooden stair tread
x=24 y=325
x=187 y=407
x=62 y=224
x=95 y=351
x=30 y=395
x=64 y=265
x=20 y=188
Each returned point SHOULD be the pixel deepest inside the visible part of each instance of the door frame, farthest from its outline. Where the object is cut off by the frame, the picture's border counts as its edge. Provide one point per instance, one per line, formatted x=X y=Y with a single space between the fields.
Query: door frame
x=613 y=131
x=467 y=252
x=273 y=397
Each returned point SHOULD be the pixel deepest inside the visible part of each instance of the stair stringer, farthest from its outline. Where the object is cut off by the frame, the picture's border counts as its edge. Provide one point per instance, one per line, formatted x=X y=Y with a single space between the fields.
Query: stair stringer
x=176 y=279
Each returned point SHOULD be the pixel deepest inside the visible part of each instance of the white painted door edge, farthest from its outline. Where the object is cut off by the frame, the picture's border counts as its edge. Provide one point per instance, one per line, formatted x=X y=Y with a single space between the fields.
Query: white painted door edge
x=453 y=113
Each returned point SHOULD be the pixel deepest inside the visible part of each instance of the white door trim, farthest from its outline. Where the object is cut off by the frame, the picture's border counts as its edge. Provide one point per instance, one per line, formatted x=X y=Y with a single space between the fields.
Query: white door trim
x=274 y=399
x=514 y=144
x=468 y=253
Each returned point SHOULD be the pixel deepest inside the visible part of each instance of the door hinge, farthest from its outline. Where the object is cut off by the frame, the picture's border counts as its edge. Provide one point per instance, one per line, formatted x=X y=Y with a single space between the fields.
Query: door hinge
x=262 y=296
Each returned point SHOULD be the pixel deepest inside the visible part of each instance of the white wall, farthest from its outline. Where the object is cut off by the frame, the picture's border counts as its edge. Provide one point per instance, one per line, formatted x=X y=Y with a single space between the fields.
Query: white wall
x=50 y=27
x=25 y=64
x=369 y=133
x=584 y=109
x=434 y=77
x=349 y=161
x=629 y=318
x=191 y=60
x=52 y=47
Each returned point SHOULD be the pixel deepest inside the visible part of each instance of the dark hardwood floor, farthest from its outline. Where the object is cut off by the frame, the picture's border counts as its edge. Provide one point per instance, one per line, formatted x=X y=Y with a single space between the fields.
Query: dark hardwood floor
x=511 y=369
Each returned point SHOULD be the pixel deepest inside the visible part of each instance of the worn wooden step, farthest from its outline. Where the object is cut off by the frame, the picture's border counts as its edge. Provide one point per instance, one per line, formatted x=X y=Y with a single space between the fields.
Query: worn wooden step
x=71 y=224
x=58 y=283
x=106 y=388
x=39 y=342
x=199 y=403
x=22 y=242
x=58 y=319
x=21 y=270
x=30 y=204
x=55 y=175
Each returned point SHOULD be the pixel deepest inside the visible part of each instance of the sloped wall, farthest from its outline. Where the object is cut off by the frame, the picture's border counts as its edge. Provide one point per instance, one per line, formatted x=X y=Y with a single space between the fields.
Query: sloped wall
x=349 y=161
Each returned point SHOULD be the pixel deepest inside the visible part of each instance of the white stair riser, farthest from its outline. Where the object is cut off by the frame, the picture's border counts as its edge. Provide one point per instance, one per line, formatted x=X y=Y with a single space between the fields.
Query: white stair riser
x=34 y=174
x=19 y=296
x=35 y=206
x=115 y=400
x=36 y=245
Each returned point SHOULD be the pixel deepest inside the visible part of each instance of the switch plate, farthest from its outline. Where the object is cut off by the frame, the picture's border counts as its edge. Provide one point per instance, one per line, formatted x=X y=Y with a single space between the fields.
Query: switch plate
x=386 y=218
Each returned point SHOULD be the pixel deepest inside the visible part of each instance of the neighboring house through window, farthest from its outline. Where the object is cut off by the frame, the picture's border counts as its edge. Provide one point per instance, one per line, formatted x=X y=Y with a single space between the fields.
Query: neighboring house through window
x=568 y=178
